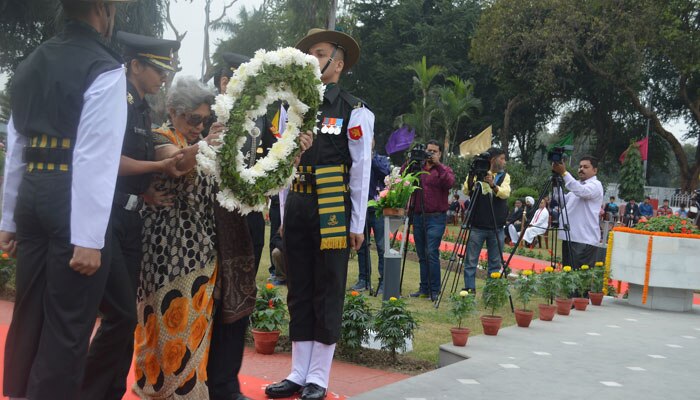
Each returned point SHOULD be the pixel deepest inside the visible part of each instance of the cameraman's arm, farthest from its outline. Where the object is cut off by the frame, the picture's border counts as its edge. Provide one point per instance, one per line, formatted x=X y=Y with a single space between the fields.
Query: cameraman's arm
x=503 y=190
x=446 y=177
x=588 y=191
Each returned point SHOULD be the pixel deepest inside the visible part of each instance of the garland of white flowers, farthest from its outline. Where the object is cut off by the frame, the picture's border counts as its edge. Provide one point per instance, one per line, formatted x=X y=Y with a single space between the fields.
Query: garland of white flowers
x=283 y=75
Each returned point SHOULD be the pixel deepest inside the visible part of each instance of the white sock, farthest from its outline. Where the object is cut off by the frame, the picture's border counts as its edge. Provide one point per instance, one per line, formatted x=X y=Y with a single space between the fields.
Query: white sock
x=301 y=357
x=320 y=365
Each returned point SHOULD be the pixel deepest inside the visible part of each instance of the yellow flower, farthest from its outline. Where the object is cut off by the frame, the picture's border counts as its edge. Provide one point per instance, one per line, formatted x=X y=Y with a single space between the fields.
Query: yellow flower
x=549 y=269
x=463 y=293
x=599 y=264
x=567 y=269
x=495 y=275
x=392 y=298
x=527 y=272
x=584 y=267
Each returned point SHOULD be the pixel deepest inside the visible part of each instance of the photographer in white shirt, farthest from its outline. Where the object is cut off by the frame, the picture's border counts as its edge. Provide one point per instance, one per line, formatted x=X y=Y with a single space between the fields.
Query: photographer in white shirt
x=583 y=201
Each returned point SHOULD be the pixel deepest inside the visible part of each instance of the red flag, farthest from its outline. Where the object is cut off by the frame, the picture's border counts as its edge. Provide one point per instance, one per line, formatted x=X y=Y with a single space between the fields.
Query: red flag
x=643 y=149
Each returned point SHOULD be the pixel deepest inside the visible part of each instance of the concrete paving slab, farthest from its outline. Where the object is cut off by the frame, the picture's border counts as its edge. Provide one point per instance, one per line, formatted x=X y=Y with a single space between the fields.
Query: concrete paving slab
x=616 y=351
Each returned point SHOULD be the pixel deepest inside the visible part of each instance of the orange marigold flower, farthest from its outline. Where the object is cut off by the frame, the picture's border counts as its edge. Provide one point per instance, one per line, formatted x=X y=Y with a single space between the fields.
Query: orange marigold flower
x=175 y=318
x=270 y=286
x=683 y=222
x=5 y=256
x=354 y=293
x=173 y=353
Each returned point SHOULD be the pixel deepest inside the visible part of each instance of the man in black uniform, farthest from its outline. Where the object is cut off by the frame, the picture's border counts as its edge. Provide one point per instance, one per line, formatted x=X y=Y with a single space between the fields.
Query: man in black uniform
x=148 y=62
x=322 y=221
x=64 y=141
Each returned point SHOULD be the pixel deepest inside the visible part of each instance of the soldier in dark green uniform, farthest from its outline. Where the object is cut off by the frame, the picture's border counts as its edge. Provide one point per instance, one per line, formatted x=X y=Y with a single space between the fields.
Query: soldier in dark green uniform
x=64 y=140
x=324 y=217
x=148 y=63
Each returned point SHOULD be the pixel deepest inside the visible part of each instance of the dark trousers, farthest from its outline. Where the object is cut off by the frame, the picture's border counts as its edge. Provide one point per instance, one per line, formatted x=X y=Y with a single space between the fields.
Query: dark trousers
x=256 y=227
x=225 y=358
x=315 y=278
x=579 y=255
x=376 y=225
x=275 y=238
x=111 y=351
x=55 y=307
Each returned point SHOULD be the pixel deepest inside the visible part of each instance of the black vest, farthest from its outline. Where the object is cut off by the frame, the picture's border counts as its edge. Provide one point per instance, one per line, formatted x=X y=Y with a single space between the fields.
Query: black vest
x=47 y=88
x=482 y=217
x=330 y=146
x=138 y=142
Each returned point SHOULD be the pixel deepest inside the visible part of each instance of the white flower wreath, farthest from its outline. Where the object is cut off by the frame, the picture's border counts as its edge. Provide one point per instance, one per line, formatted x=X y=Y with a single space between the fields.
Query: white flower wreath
x=288 y=75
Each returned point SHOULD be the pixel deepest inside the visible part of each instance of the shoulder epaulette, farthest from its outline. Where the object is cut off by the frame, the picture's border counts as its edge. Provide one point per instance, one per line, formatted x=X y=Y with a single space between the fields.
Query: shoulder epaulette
x=353 y=101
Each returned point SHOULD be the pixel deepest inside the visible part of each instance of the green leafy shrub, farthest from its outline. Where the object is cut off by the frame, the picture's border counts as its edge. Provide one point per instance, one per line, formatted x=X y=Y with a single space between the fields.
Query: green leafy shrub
x=357 y=322
x=394 y=324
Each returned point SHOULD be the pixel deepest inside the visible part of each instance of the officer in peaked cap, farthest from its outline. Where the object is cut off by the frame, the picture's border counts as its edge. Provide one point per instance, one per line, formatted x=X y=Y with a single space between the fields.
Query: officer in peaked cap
x=148 y=61
x=64 y=140
x=324 y=217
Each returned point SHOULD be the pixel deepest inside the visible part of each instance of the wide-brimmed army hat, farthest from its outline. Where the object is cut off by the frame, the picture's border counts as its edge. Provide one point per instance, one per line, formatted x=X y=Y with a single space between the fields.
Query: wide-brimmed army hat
x=234 y=60
x=340 y=39
x=157 y=52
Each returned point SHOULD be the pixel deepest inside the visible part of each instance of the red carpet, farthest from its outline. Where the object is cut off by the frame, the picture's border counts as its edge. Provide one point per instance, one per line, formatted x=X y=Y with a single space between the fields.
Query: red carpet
x=252 y=387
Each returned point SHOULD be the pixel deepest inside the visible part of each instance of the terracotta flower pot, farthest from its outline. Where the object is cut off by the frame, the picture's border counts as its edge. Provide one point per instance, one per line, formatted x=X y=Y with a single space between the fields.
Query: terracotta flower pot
x=547 y=311
x=460 y=336
x=491 y=324
x=523 y=317
x=394 y=212
x=265 y=342
x=596 y=298
x=564 y=306
x=580 y=303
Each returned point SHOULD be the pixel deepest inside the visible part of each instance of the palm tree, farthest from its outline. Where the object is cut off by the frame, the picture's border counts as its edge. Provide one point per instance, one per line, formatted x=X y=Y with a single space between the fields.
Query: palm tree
x=423 y=107
x=454 y=103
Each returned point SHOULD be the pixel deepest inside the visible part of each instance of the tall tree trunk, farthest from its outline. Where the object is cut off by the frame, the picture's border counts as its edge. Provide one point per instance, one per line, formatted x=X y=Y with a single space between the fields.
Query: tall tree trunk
x=688 y=173
x=504 y=133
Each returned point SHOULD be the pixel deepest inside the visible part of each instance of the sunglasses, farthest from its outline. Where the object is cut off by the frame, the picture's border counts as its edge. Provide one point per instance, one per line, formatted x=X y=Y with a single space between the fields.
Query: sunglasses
x=196 y=119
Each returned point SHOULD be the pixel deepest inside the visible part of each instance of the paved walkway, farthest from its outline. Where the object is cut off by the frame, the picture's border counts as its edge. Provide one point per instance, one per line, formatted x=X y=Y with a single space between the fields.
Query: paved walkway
x=611 y=352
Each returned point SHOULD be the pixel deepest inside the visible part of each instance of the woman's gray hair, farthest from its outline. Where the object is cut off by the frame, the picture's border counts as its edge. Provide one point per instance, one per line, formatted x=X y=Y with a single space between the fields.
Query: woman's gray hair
x=187 y=94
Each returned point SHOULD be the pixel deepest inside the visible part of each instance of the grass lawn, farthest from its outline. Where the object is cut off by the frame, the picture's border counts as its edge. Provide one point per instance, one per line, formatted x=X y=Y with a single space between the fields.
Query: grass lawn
x=434 y=324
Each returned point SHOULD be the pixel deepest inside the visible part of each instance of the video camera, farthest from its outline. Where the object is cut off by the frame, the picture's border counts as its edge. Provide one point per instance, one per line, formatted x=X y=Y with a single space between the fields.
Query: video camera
x=481 y=164
x=419 y=154
x=556 y=155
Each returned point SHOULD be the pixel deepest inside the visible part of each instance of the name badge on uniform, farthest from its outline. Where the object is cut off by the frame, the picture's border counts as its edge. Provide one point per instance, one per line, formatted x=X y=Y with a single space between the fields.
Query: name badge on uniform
x=332 y=126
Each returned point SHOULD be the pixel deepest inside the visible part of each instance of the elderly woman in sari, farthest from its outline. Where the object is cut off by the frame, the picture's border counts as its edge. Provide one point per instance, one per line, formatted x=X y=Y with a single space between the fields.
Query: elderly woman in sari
x=179 y=269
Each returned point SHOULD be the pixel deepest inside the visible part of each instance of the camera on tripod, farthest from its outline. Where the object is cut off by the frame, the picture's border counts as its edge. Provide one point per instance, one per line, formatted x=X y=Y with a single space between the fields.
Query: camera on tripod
x=556 y=155
x=481 y=164
x=419 y=154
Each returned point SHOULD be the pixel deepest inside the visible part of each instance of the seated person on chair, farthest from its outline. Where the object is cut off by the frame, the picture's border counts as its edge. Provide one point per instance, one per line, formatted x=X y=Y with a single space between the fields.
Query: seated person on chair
x=538 y=226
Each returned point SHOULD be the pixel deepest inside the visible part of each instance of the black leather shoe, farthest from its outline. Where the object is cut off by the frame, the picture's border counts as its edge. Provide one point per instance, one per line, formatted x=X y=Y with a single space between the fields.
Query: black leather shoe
x=285 y=388
x=313 y=392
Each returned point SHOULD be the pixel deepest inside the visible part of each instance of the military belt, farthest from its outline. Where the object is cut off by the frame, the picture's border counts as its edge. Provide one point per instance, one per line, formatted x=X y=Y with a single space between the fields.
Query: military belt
x=305 y=181
x=48 y=153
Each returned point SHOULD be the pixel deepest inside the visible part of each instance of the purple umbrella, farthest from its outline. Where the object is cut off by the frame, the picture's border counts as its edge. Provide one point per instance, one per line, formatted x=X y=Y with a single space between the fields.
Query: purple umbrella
x=400 y=140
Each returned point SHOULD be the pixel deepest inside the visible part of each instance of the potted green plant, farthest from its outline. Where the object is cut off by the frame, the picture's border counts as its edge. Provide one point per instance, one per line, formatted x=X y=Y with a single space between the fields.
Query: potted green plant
x=357 y=322
x=462 y=305
x=547 y=288
x=399 y=186
x=596 y=292
x=526 y=289
x=566 y=284
x=494 y=296
x=394 y=325
x=267 y=319
x=583 y=284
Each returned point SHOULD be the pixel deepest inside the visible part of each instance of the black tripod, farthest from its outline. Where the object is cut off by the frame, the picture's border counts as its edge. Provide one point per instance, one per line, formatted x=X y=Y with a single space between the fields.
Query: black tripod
x=413 y=167
x=459 y=253
x=554 y=188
